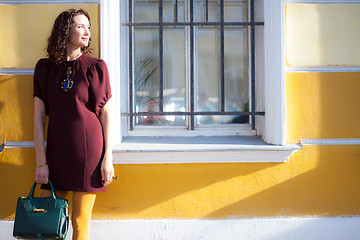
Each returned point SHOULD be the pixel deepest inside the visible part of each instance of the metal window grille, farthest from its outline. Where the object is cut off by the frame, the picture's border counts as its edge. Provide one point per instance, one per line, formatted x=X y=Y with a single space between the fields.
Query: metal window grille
x=191 y=24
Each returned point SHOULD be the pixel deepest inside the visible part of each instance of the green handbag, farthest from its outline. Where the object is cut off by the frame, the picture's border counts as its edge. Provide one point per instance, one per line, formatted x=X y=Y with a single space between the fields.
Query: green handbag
x=41 y=218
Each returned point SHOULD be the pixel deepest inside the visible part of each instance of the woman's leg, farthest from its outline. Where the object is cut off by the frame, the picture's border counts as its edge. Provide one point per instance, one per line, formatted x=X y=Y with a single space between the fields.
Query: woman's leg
x=83 y=203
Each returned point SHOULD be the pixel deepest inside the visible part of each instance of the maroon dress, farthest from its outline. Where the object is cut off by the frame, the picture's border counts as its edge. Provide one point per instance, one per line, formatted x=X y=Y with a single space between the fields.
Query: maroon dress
x=75 y=143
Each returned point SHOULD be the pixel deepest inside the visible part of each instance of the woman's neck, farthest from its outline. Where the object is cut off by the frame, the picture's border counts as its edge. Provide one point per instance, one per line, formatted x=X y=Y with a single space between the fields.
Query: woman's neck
x=72 y=55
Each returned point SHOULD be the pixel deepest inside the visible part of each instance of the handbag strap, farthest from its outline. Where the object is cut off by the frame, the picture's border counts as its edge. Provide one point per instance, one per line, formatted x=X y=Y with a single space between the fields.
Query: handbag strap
x=53 y=192
x=39 y=234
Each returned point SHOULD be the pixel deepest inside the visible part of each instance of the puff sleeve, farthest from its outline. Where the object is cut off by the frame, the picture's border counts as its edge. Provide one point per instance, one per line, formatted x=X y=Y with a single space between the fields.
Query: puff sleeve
x=40 y=82
x=99 y=89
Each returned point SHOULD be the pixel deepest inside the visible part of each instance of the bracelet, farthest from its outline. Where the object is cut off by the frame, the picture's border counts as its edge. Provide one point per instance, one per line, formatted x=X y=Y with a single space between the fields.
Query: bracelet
x=42 y=165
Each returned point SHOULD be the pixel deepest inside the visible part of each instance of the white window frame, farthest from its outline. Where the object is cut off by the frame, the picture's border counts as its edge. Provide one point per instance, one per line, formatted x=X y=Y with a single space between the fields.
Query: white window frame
x=273 y=132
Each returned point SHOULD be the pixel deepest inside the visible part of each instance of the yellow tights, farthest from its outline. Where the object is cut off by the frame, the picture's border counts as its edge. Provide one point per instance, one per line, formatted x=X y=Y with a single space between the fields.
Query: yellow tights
x=82 y=205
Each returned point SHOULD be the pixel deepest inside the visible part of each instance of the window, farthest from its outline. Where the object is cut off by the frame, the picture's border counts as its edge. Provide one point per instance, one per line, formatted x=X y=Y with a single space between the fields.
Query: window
x=133 y=147
x=191 y=64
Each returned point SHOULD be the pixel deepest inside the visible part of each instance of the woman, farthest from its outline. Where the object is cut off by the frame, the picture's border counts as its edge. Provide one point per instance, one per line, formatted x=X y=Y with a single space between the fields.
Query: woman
x=73 y=89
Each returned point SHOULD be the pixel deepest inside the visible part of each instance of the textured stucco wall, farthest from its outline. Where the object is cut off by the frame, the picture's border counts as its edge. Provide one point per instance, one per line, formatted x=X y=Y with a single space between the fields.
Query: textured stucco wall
x=318 y=180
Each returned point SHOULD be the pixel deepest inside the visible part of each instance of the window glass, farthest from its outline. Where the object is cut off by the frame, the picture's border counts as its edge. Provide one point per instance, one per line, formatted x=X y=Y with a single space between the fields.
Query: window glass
x=210 y=11
x=207 y=13
x=146 y=72
x=188 y=74
x=174 y=74
x=236 y=68
x=146 y=11
x=173 y=11
x=208 y=72
x=235 y=11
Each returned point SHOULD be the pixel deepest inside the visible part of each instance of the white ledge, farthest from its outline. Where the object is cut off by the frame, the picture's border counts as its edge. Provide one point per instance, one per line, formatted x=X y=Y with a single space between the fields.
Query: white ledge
x=16 y=71
x=323 y=69
x=200 y=149
x=219 y=149
x=331 y=141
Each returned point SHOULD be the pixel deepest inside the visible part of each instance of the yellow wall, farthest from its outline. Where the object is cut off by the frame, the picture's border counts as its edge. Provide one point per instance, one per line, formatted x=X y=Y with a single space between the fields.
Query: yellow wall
x=322 y=34
x=16 y=108
x=322 y=105
x=312 y=182
x=318 y=180
x=25 y=29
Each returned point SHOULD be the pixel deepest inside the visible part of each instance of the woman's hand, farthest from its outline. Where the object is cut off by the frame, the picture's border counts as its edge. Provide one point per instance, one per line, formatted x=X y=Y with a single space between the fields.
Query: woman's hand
x=42 y=174
x=107 y=169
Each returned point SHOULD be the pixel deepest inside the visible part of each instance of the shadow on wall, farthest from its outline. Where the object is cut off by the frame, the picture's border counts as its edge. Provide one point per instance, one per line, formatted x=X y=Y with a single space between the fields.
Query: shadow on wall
x=318 y=180
x=142 y=187
x=1 y=106
x=313 y=182
x=3 y=80
x=329 y=189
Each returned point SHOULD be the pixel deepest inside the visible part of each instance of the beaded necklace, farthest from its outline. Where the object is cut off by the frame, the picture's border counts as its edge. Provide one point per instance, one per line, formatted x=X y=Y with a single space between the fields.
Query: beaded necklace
x=67 y=83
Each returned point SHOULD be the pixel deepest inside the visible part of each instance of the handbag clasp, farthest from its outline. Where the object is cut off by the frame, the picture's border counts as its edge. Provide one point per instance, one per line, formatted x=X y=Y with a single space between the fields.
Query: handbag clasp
x=39 y=210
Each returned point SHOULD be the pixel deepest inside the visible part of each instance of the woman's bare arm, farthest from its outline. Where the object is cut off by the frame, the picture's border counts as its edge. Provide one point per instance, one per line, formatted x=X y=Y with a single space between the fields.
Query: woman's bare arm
x=107 y=168
x=42 y=170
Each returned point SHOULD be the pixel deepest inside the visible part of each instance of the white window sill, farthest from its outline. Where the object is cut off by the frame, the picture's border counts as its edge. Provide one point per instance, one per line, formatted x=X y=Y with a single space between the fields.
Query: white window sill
x=200 y=149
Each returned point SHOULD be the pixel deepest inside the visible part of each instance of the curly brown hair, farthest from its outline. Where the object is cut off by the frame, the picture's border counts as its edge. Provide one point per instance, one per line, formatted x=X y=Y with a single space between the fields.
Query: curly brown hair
x=60 y=34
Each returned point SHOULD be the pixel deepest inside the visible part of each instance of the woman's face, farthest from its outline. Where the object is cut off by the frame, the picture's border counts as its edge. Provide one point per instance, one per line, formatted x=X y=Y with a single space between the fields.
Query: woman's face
x=79 y=32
